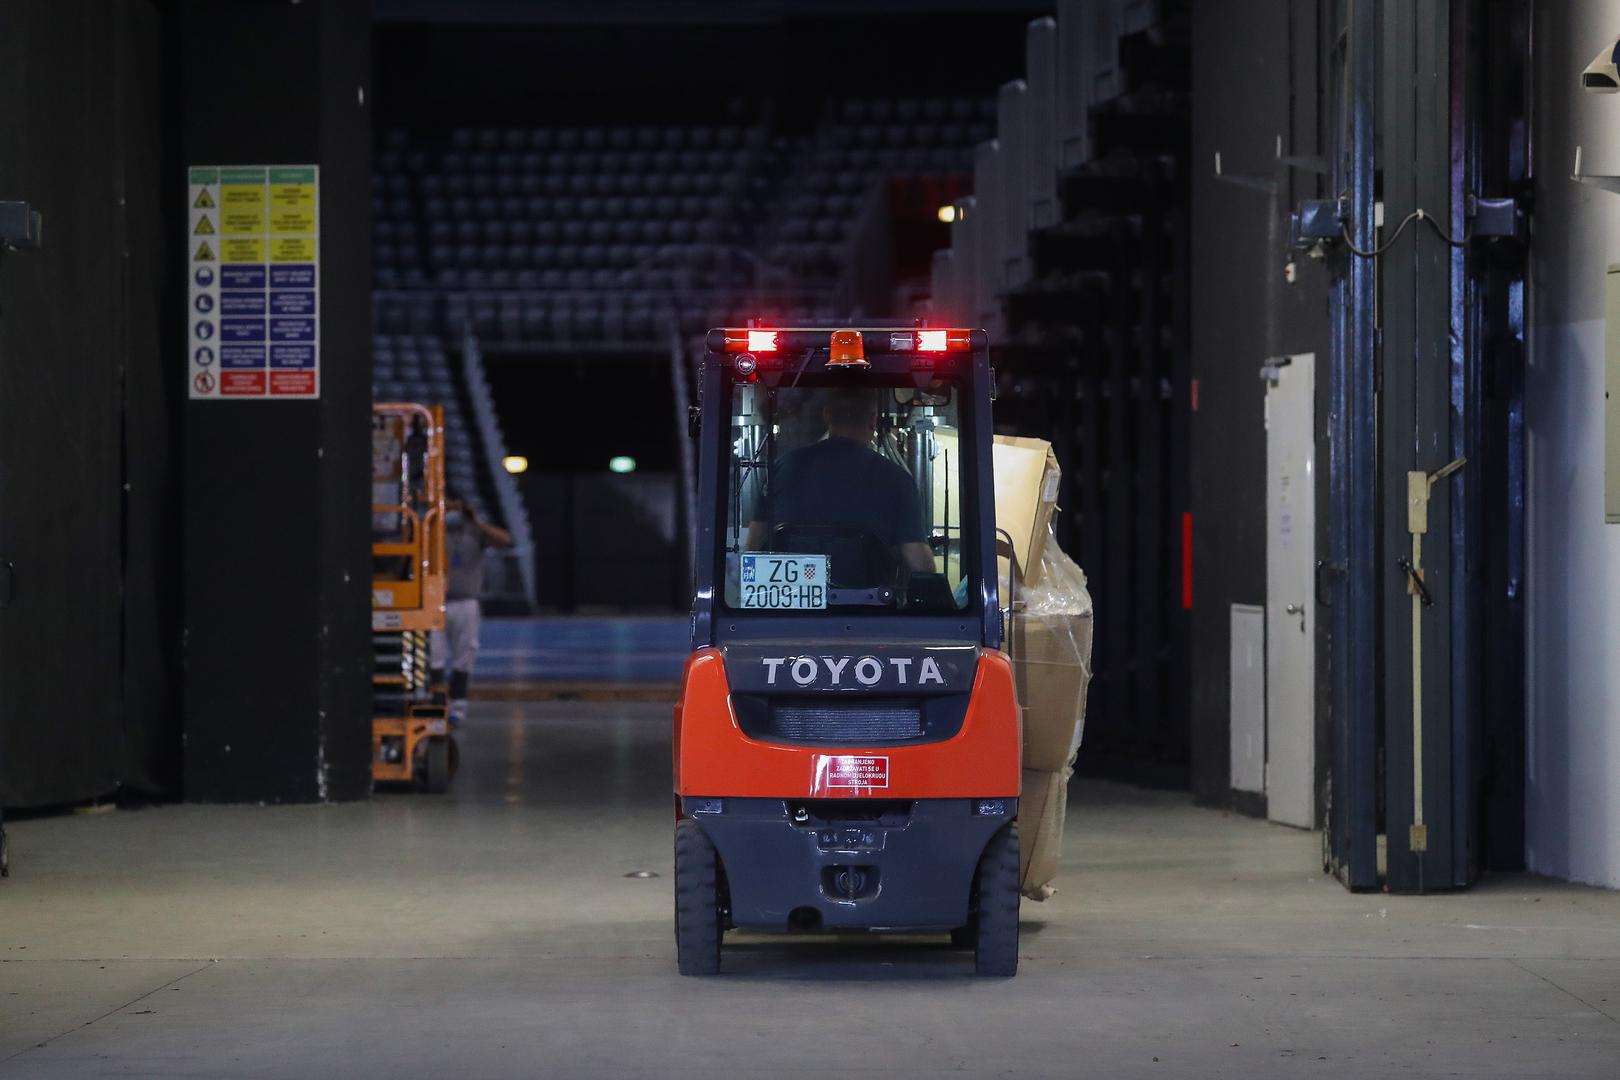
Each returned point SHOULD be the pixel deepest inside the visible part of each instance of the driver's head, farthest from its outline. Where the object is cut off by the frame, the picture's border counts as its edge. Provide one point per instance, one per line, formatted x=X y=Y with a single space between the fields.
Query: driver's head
x=851 y=413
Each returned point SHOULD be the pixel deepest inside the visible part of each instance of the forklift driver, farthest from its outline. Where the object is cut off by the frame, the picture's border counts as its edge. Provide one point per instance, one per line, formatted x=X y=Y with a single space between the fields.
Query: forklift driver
x=842 y=480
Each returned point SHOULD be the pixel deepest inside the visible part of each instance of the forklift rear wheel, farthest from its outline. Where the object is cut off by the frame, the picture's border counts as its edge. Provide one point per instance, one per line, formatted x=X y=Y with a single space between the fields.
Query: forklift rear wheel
x=697 y=901
x=437 y=766
x=995 y=921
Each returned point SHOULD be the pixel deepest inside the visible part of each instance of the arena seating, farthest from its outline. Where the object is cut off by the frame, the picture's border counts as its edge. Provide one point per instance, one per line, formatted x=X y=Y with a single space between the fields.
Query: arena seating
x=628 y=237
x=604 y=234
x=838 y=173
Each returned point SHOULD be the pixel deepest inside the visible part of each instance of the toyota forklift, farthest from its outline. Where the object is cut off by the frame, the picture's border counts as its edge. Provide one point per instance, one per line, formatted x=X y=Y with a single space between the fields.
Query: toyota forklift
x=847 y=741
x=410 y=733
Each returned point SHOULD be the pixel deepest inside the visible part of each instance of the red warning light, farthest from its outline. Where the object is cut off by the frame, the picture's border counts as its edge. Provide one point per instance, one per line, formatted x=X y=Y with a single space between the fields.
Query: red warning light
x=762 y=341
x=930 y=341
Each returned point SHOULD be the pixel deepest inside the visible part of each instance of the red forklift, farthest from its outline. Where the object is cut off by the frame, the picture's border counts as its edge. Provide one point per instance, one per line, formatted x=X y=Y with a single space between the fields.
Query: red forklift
x=847 y=741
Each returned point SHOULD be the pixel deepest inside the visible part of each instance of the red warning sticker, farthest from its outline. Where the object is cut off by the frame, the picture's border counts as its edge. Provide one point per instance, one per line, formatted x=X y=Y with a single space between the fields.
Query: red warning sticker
x=853 y=771
x=292 y=383
x=242 y=383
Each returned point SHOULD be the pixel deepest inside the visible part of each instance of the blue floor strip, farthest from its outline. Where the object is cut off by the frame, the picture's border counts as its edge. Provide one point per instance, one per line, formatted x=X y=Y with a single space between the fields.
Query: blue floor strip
x=584 y=649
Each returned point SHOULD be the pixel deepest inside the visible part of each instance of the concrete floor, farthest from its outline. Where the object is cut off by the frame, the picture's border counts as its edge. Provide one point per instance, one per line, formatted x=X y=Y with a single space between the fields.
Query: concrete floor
x=494 y=932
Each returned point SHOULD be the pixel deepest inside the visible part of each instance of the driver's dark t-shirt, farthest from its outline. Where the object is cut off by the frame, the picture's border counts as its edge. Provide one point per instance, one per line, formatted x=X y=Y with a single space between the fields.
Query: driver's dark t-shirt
x=840 y=482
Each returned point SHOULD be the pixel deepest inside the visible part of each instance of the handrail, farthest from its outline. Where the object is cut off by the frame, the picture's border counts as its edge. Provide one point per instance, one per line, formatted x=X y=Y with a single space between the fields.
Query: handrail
x=433 y=557
x=434 y=416
x=1005 y=547
x=513 y=513
x=412 y=544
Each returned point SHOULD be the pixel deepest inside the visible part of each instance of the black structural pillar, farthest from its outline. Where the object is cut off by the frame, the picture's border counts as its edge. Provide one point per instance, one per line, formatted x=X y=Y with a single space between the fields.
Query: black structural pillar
x=276 y=493
x=1427 y=439
x=1350 y=574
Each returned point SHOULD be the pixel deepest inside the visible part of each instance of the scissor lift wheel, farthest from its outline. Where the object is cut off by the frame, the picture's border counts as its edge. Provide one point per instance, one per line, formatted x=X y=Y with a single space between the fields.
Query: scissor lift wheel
x=437 y=764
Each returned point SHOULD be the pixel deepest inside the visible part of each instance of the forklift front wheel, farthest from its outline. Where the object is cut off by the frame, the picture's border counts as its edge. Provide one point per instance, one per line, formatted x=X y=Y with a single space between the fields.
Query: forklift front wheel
x=437 y=765
x=995 y=920
x=697 y=901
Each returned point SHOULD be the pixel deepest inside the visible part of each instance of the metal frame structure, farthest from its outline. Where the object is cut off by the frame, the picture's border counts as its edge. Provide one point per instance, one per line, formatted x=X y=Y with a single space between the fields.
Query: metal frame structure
x=1426 y=434
x=408 y=710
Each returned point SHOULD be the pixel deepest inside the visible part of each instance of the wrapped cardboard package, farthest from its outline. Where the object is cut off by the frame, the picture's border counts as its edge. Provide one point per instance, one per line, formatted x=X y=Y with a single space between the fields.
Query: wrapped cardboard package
x=1040 y=830
x=1052 y=660
x=1027 y=478
x=1052 y=669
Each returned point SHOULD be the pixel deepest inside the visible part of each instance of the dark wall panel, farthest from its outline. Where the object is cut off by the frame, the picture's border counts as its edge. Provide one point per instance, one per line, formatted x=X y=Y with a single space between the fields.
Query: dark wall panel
x=151 y=422
x=85 y=702
x=1253 y=79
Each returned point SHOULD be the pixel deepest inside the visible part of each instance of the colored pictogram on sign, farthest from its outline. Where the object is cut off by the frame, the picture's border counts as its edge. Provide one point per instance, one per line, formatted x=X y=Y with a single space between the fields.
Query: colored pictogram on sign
x=204 y=382
x=204 y=201
x=204 y=227
x=204 y=253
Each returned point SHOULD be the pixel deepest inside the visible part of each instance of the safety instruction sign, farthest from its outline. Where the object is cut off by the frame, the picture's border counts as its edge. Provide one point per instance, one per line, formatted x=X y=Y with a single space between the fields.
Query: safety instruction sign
x=851 y=771
x=253 y=302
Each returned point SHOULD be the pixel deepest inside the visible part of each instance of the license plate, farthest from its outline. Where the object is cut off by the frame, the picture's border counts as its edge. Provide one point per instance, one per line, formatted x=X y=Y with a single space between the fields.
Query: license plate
x=797 y=582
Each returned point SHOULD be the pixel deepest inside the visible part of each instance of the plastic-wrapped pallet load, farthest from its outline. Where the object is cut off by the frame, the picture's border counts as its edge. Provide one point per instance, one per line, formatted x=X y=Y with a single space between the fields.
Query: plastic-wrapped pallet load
x=1027 y=480
x=1051 y=649
x=1052 y=667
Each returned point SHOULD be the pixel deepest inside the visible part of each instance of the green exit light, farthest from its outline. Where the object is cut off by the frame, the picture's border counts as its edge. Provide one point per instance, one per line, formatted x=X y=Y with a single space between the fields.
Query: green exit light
x=622 y=464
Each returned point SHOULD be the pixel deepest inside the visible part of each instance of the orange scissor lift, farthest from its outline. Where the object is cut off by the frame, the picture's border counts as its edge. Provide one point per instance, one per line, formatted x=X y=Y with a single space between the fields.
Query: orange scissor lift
x=410 y=736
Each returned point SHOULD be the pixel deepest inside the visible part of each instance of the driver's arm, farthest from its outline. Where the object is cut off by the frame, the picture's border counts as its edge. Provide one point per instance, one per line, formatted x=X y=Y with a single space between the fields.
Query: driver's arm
x=919 y=557
x=914 y=549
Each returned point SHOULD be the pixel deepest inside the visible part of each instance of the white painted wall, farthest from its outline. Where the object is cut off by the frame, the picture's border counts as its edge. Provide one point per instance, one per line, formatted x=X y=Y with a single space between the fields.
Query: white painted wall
x=1573 y=589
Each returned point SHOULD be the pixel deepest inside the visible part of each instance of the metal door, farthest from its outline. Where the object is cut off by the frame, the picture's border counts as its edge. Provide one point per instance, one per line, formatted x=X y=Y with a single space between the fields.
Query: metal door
x=1290 y=596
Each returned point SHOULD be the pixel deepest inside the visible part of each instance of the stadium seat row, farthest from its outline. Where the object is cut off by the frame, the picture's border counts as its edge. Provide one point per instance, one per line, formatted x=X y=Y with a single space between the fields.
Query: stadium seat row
x=907 y=136
x=908 y=110
x=580 y=161
x=592 y=138
x=602 y=183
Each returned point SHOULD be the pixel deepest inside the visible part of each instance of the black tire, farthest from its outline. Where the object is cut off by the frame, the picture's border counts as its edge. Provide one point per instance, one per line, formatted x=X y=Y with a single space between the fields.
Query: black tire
x=698 y=913
x=995 y=925
x=436 y=767
x=963 y=936
x=5 y=853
